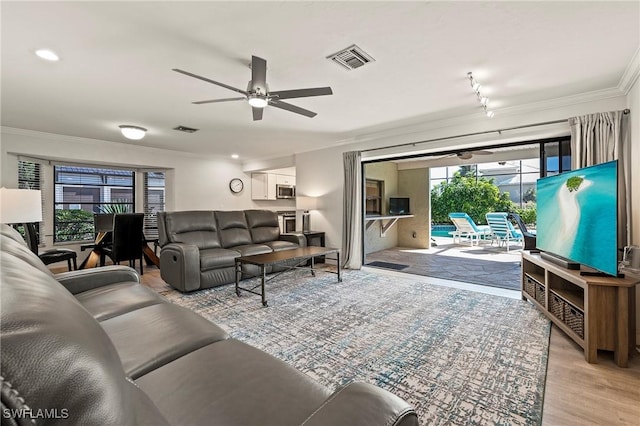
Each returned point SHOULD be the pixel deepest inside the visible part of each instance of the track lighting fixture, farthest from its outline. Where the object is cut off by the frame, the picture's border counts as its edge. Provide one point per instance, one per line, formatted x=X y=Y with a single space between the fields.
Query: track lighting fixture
x=483 y=100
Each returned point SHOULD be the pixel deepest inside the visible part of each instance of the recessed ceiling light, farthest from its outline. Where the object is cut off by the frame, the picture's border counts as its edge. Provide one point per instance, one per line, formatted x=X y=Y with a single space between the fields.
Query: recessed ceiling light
x=47 y=54
x=235 y=156
x=133 y=132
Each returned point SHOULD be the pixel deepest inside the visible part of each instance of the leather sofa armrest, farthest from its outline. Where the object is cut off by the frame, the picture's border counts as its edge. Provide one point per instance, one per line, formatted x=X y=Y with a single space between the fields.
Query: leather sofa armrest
x=88 y=279
x=363 y=404
x=296 y=238
x=180 y=266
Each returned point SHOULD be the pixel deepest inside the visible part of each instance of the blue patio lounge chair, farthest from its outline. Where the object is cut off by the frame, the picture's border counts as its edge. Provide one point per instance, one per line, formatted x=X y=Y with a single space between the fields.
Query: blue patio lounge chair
x=467 y=228
x=502 y=230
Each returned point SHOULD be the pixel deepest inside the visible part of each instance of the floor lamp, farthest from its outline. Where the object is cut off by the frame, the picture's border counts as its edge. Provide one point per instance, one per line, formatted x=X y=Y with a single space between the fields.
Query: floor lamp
x=306 y=204
x=21 y=206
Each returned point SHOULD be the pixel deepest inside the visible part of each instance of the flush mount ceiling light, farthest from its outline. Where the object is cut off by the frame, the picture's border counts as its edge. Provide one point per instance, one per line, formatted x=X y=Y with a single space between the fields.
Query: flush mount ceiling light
x=47 y=54
x=133 y=132
x=483 y=100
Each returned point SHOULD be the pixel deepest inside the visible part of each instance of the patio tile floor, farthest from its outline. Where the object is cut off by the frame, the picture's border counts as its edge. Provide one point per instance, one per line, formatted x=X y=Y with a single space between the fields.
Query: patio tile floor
x=483 y=264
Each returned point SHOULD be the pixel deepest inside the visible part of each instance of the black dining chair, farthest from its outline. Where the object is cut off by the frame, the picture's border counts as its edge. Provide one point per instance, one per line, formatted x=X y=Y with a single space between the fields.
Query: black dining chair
x=127 y=239
x=50 y=256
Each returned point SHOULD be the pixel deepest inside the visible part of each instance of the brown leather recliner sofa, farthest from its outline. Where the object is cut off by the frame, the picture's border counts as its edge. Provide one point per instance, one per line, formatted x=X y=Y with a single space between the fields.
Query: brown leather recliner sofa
x=95 y=347
x=198 y=248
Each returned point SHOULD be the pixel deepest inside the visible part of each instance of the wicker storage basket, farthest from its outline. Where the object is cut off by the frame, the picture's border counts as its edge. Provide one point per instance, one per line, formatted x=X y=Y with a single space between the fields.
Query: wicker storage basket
x=574 y=318
x=541 y=291
x=529 y=286
x=556 y=305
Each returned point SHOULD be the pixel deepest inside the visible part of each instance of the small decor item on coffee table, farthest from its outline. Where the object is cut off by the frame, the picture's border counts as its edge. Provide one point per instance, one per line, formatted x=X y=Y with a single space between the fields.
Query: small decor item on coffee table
x=285 y=259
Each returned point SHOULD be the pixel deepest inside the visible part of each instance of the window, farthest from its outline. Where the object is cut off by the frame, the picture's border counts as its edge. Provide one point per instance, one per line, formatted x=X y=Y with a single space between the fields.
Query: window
x=555 y=157
x=374 y=193
x=29 y=177
x=80 y=192
x=153 y=201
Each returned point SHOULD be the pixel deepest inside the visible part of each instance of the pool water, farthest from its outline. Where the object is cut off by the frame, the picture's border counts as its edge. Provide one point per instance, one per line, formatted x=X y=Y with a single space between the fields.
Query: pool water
x=442 y=230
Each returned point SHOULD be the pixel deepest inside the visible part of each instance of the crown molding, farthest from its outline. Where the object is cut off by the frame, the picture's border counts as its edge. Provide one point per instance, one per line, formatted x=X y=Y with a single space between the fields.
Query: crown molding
x=631 y=74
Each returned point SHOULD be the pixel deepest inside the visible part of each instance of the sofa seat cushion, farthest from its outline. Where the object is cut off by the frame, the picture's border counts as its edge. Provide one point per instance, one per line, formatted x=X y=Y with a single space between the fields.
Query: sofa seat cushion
x=217 y=258
x=244 y=386
x=251 y=249
x=117 y=299
x=150 y=337
x=281 y=245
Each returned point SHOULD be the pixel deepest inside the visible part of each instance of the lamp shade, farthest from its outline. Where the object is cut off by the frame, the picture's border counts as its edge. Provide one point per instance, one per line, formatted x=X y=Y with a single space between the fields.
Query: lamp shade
x=307 y=203
x=20 y=206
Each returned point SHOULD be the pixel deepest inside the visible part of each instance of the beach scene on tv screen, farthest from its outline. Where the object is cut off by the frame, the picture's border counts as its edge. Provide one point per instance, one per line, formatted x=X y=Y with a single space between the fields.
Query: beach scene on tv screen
x=577 y=216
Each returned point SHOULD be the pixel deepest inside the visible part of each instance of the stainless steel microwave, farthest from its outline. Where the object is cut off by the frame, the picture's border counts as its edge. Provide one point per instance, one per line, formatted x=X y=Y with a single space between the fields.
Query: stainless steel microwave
x=285 y=191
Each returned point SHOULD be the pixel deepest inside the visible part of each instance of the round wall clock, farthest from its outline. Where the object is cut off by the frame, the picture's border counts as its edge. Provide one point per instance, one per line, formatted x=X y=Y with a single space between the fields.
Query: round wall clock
x=236 y=185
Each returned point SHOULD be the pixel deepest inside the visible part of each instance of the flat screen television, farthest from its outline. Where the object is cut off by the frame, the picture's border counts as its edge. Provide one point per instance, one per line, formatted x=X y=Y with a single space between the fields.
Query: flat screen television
x=577 y=216
x=398 y=205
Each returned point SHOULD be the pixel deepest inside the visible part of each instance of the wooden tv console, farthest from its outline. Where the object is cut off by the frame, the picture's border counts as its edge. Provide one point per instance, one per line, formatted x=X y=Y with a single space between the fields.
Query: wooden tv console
x=596 y=312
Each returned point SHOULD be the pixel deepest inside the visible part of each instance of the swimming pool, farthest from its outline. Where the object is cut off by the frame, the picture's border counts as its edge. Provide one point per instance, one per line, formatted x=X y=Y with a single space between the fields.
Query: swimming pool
x=442 y=230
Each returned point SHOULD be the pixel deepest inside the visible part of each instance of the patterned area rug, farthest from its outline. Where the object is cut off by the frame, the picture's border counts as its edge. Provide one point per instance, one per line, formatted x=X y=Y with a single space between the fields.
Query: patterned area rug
x=458 y=357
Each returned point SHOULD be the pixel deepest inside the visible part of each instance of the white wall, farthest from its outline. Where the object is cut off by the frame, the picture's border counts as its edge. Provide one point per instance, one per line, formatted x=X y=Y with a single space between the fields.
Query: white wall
x=193 y=182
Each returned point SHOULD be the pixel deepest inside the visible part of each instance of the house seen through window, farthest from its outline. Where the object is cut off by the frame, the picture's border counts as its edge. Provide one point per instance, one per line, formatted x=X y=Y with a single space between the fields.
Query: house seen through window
x=80 y=192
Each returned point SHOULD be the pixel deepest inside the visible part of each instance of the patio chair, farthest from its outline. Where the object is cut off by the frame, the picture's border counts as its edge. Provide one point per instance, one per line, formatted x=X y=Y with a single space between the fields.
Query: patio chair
x=502 y=230
x=467 y=228
x=529 y=236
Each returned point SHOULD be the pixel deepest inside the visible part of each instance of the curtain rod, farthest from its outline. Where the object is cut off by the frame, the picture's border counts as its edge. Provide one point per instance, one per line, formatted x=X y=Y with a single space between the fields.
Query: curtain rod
x=499 y=131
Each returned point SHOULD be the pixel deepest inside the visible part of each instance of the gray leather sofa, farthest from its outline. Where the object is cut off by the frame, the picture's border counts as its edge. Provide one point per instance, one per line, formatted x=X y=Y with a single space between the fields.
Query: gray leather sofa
x=198 y=248
x=95 y=347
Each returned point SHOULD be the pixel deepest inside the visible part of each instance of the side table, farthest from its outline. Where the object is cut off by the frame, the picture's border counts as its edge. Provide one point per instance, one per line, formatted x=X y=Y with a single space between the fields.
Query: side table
x=315 y=238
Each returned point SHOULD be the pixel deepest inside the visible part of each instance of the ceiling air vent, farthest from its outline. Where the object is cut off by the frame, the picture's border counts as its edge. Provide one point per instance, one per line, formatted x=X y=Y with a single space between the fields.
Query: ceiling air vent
x=351 y=58
x=185 y=129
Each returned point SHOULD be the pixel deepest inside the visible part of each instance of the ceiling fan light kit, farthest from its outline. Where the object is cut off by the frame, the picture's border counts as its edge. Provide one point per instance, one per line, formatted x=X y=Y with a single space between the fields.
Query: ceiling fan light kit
x=483 y=100
x=258 y=101
x=258 y=95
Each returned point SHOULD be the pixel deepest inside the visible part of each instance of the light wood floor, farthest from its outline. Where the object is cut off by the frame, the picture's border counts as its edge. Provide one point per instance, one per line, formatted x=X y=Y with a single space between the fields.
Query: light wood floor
x=577 y=393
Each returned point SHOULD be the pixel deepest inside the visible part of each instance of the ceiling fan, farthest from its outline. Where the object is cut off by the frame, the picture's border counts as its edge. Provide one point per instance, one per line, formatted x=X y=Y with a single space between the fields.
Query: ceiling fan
x=258 y=94
x=466 y=155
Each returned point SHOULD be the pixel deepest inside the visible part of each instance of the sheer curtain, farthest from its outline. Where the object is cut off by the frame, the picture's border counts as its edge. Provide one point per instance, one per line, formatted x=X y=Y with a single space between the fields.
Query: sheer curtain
x=352 y=213
x=598 y=138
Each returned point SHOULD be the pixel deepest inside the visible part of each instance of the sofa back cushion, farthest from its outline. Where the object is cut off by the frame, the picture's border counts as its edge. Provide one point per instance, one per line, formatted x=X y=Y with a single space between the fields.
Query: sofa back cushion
x=263 y=225
x=192 y=227
x=233 y=228
x=55 y=355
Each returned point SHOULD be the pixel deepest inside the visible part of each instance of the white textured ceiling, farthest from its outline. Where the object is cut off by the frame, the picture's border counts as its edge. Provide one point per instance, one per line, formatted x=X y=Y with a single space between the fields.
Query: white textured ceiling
x=116 y=61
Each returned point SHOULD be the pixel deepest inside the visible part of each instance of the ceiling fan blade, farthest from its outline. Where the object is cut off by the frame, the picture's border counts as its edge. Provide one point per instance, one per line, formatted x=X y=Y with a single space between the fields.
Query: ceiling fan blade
x=292 y=108
x=302 y=93
x=481 y=152
x=258 y=75
x=257 y=113
x=208 y=80
x=212 y=101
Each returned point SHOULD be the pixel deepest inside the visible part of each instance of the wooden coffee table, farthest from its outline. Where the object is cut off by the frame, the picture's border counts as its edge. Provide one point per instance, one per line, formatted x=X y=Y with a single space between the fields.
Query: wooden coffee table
x=289 y=259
